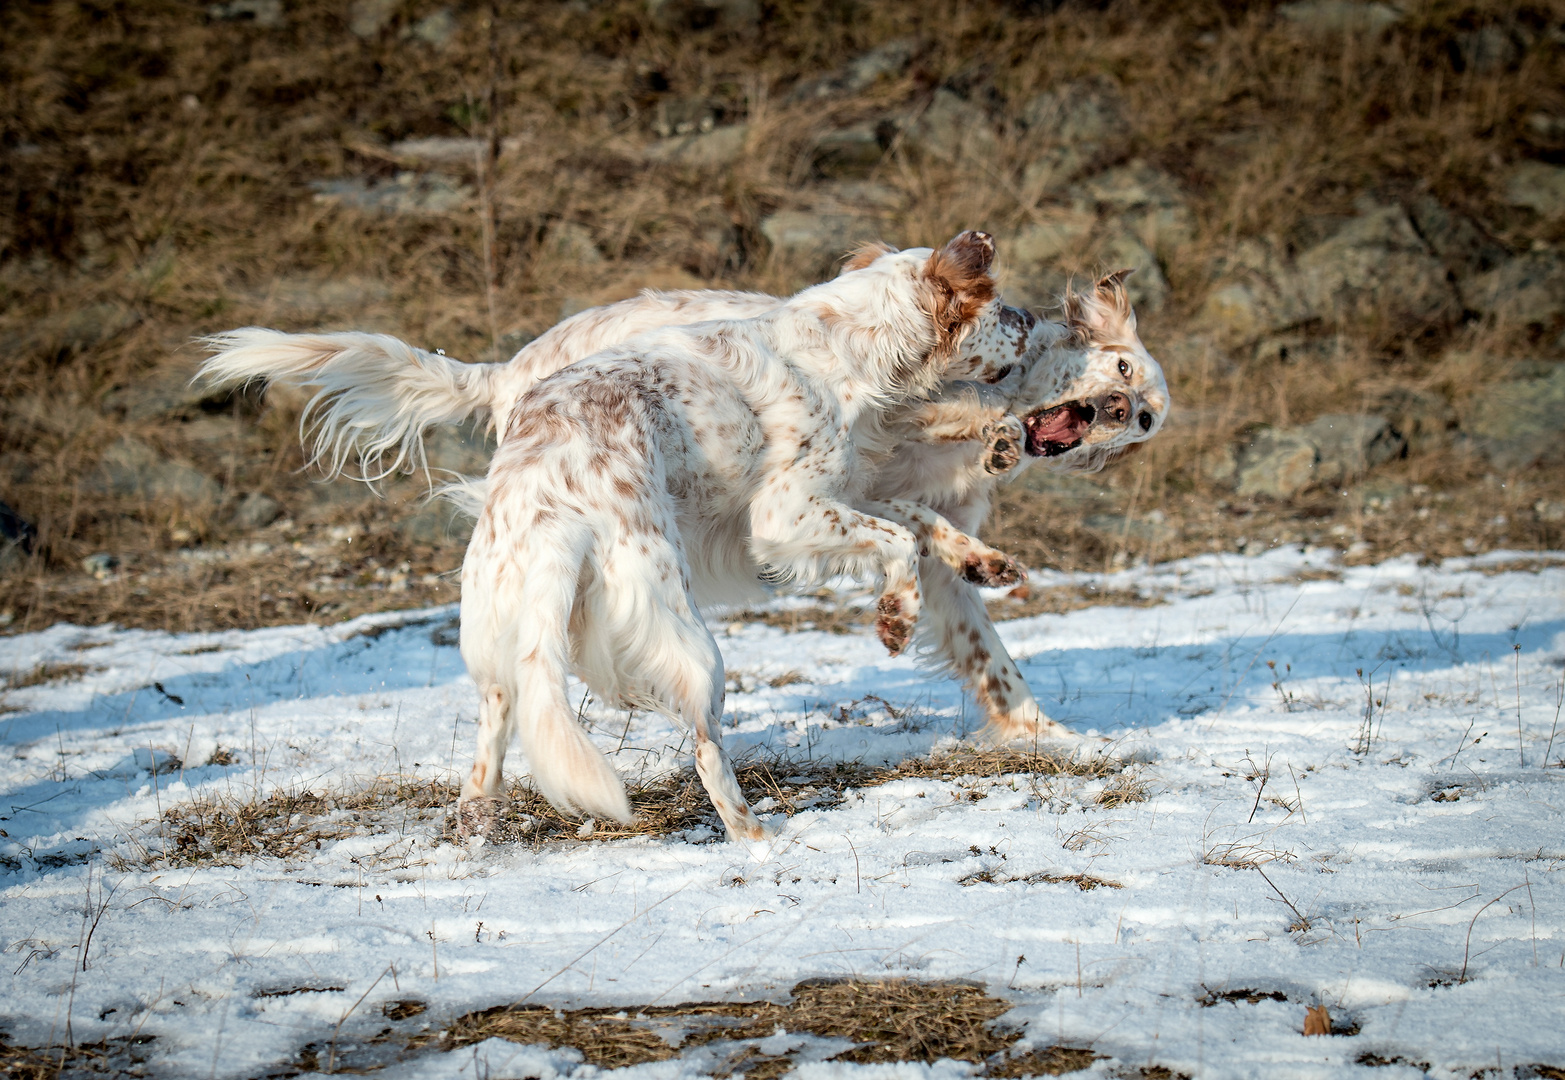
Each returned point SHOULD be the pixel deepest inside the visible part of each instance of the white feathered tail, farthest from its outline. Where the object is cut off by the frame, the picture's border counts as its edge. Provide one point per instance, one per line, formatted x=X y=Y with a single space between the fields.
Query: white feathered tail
x=375 y=396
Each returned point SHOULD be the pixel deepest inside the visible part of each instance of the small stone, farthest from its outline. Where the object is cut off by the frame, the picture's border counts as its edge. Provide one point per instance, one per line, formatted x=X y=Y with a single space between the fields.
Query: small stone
x=1340 y=16
x=438 y=525
x=256 y=511
x=366 y=18
x=683 y=116
x=573 y=242
x=441 y=149
x=462 y=449
x=1490 y=49
x=263 y=13
x=436 y=29
x=851 y=151
x=1538 y=187
x=1423 y=419
x=101 y=566
x=1277 y=463
x=406 y=193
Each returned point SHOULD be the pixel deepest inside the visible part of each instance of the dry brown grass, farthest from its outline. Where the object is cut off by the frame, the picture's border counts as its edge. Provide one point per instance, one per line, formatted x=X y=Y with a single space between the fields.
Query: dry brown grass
x=157 y=171
x=43 y=674
x=232 y=829
x=889 y=1020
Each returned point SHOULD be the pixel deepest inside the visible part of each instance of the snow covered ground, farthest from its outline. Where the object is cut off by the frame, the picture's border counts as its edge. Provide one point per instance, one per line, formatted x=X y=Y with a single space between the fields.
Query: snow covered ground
x=1389 y=859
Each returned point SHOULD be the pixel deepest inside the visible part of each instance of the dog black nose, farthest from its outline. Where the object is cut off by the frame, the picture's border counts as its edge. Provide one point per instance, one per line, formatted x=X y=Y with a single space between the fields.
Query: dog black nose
x=1145 y=420
x=1117 y=406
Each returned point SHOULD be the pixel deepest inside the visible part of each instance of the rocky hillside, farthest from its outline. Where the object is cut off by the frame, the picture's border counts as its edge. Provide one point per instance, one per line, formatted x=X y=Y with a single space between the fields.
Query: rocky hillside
x=1346 y=220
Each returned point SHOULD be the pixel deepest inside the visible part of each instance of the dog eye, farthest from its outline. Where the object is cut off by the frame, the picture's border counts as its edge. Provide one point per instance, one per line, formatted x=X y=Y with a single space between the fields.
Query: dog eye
x=1124 y=370
x=1002 y=373
x=1145 y=420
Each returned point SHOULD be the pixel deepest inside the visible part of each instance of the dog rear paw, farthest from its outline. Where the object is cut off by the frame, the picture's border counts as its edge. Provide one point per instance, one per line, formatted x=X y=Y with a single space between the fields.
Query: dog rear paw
x=476 y=817
x=892 y=626
x=992 y=568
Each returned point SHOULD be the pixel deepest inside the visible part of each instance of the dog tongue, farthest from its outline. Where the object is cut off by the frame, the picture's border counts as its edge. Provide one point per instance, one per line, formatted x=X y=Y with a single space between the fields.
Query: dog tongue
x=1055 y=431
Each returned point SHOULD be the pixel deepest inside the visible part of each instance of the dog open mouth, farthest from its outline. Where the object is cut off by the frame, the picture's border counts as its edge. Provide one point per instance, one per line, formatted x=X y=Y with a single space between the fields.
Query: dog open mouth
x=1052 y=432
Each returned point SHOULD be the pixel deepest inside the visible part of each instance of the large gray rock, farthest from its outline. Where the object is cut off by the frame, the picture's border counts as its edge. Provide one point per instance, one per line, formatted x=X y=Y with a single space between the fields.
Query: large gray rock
x=572 y=242
x=1147 y=287
x=1528 y=290
x=1537 y=186
x=1423 y=419
x=952 y=128
x=132 y=468
x=1348 y=445
x=1276 y=462
x=1145 y=200
x=815 y=239
x=1373 y=268
x=715 y=149
x=1457 y=241
x=1519 y=421
x=168 y=394
x=437 y=28
x=256 y=511
x=1072 y=127
x=853 y=151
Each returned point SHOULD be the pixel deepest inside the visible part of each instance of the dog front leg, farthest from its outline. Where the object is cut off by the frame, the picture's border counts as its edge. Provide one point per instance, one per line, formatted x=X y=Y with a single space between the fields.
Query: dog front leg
x=972 y=559
x=792 y=529
x=961 y=633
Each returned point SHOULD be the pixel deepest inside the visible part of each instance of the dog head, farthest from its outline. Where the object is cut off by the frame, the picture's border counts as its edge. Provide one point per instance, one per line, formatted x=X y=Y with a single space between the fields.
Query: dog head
x=1097 y=392
x=937 y=298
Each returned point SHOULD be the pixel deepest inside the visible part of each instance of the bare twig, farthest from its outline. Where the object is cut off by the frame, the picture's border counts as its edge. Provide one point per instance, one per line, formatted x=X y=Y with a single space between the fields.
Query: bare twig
x=1559 y=700
x=1304 y=922
x=1467 y=948
x=331 y=1055
x=1521 y=749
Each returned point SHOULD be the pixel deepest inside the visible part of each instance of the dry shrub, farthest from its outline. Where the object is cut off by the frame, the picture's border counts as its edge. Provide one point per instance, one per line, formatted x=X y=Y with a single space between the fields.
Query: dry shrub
x=889 y=1020
x=157 y=178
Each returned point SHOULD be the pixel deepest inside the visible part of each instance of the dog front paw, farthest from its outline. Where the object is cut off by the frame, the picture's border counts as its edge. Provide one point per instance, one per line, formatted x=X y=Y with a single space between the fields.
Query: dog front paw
x=892 y=626
x=992 y=568
x=1003 y=442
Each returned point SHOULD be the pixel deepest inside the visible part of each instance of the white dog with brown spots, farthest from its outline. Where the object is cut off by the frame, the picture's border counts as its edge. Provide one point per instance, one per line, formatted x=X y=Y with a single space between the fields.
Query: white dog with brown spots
x=1087 y=391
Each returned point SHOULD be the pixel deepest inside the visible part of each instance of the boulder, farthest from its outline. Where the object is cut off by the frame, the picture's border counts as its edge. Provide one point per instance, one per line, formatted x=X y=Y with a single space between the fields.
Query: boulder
x=1519 y=421
x=1527 y=291
x=715 y=149
x=168 y=393
x=1423 y=419
x=1144 y=199
x=132 y=468
x=1348 y=445
x=1375 y=266
x=815 y=239
x=1276 y=462
x=952 y=128
x=1538 y=187
x=853 y=151
x=1457 y=241
x=1074 y=127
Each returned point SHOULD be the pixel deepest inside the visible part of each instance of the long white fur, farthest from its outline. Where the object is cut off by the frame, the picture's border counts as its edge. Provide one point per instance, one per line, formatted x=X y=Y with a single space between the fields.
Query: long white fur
x=626 y=484
x=934 y=453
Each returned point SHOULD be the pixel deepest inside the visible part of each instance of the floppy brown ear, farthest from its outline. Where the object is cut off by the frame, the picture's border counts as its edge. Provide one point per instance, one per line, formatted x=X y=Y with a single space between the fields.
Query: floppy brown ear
x=864 y=254
x=958 y=276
